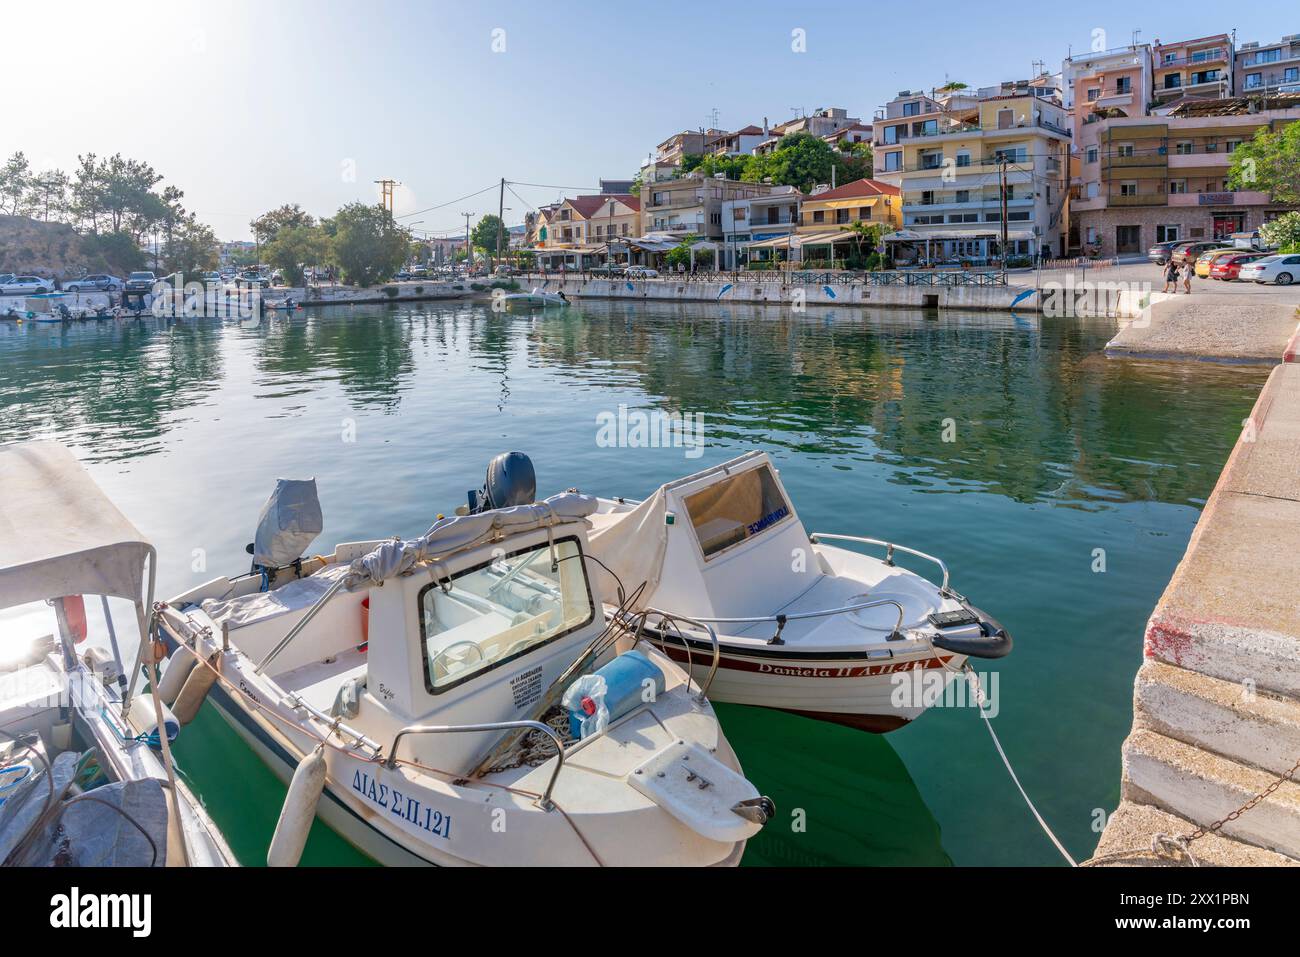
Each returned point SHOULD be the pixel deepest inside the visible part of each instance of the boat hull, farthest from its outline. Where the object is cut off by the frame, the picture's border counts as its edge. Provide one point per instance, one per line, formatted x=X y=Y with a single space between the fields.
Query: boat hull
x=851 y=689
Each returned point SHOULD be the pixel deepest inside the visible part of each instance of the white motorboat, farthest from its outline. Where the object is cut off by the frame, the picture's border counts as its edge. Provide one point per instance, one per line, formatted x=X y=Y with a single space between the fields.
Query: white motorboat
x=460 y=698
x=85 y=777
x=537 y=299
x=804 y=626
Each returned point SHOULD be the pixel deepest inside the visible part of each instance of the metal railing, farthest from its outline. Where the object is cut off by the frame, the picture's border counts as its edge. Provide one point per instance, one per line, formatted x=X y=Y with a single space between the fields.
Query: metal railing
x=641 y=618
x=544 y=802
x=890 y=548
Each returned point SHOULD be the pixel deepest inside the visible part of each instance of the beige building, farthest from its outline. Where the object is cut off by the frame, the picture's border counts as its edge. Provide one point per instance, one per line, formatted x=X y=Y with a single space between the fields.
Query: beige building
x=1152 y=179
x=692 y=205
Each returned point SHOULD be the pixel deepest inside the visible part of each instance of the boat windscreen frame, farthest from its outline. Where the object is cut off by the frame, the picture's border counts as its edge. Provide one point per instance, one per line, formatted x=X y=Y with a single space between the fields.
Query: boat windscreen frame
x=426 y=662
x=685 y=493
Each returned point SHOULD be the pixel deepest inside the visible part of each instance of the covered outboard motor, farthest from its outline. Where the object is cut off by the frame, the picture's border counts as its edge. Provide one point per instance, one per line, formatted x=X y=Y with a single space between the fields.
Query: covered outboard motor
x=290 y=521
x=510 y=481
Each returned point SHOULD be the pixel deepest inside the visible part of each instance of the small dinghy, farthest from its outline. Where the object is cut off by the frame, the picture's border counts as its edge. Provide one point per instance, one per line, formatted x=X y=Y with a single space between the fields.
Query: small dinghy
x=85 y=776
x=460 y=698
x=537 y=299
x=804 y=626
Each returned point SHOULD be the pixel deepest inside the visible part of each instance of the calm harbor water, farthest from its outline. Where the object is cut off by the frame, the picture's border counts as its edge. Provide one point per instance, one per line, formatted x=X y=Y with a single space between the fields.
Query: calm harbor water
x=1056 y=453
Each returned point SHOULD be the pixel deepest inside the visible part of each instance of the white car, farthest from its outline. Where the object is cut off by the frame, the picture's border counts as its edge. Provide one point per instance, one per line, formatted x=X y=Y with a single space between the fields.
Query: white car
x=99 y=282
x=27 y=285
x=1281 y=270
x=641 y=272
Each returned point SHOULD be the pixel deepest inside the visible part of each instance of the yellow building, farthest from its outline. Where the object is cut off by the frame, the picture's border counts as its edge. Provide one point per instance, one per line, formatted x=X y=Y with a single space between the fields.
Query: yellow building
x=827 y=217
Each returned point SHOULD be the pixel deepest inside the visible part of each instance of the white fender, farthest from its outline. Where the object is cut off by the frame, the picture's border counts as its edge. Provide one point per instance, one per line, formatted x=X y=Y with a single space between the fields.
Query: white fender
x=179 y=666
x=298 y=812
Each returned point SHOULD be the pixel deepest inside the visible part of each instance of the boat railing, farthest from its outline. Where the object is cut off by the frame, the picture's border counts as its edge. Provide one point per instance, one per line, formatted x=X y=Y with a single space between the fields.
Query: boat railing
x=644 y=614
x=781 y=620
x=890 y=548
x=544 y=802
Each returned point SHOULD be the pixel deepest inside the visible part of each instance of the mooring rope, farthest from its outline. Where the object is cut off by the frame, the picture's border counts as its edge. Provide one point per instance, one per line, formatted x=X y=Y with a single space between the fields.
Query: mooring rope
x=979 y=701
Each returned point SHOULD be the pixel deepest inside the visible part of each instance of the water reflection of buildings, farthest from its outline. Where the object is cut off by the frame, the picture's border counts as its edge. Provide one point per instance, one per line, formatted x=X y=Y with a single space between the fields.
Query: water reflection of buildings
x=1034 y=412
x=108 y=388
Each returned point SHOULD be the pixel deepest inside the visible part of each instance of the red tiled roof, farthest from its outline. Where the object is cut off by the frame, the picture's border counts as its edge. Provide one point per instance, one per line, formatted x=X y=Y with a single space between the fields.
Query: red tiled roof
x=588 y=205
x=860 y=187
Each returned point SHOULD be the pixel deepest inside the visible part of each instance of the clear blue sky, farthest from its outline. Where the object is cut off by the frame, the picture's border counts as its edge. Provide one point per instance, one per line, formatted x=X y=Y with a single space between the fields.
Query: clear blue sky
x=249 y=105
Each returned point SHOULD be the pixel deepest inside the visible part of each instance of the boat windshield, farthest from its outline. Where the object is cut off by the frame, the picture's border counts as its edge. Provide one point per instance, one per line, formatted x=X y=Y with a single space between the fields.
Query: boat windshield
x=735 y=509
x=500 y=610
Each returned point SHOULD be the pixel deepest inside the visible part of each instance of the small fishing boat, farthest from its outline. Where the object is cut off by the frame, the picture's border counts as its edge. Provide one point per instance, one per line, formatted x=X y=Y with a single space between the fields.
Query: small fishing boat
x=804 y=626
x=460 y=698
x=86 y=777
x=537 y=299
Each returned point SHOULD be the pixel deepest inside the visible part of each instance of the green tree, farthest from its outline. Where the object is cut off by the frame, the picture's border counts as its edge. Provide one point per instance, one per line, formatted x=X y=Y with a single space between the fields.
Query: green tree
x=854 y=163
x=191 y=248
x=485 y=235
x=800 y=160
x=48 y=195
x=288 y=216
x=15 y=184
x=294 y=247
x=368 y=245
x=866 y=240
x=1269 y=163
x=1283 y=232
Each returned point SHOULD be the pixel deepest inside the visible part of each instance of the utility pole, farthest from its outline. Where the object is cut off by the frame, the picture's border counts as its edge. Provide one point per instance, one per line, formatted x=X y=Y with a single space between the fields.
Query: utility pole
x=469 y=252
x=501 y=220
x=386 y=193
x=1002 y=180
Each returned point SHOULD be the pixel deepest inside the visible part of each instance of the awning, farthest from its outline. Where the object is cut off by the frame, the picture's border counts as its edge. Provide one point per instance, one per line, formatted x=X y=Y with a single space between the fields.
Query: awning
x=974 y=231
x=777 y=242
x=59 y=534
x=653 y=244
x=823 y=239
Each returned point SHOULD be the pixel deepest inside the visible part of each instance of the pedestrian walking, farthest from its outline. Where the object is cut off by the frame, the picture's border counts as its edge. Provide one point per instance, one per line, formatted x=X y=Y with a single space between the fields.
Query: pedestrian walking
x=1189 y=270
x=1171 y=276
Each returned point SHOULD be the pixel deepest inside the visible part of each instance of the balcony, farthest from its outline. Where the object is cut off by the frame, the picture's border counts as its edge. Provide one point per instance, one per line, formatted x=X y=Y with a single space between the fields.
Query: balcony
x=1138 y=199
x=1137 y=159
x=1200 y=158
x=1198 y=58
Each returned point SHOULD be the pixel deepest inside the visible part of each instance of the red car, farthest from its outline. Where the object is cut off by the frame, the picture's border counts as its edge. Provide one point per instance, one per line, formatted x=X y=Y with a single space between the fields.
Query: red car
x=1228 y=268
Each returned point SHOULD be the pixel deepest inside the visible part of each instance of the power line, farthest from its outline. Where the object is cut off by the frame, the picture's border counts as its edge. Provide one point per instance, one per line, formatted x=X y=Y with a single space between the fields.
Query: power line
x=429 y=209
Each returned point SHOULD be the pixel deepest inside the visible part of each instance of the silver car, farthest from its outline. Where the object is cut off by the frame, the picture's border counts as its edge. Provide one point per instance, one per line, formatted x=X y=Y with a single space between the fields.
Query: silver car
x=100 y=282
x=26 y=285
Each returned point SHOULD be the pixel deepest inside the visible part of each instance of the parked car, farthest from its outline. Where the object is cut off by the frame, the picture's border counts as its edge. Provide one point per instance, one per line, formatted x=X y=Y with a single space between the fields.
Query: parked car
x=100 y=282
x=1228 y=268
x=1159 y=253
x=213 y=279
x=1190 y=250
x=609 y=269
x=1206 y=259
x=1281 y=270
x=142 y=281
x=641 y=272
x=251 y=277
x=27 y=285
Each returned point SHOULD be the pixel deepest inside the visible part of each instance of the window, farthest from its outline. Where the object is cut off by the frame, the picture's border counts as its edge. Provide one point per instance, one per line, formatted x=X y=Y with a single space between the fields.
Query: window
x=1167 y=234
x=891 y=133
x=1093 y=93
x=1185 y=148
x=963 y=196
x=1291 y=74
x=1124 y=84
x=736 y=509
x=819 y=216
x=912 y=109
x=1128 y=189
x=864 y=212
x=499 y=610
x=1178 y=186
x=893 y=161
x=1124 y=149
x=1231 y=145
x=927 y=197
x=1205 y=76
x=963 y=159
x=1254 y=80
x=1020 y=217
x=1173 y=81
x=1092 y=154
x=739 y=213
x=841 y=216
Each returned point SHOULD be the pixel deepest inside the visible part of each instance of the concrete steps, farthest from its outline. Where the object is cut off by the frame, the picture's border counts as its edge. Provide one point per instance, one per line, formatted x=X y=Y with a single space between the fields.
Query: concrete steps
x=1127 y=843
x=1198 y=786
x=1253 y=728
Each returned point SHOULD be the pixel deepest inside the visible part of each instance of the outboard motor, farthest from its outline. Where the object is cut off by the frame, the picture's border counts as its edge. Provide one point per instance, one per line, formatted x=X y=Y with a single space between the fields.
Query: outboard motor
x=290 y=521
x=511 y=480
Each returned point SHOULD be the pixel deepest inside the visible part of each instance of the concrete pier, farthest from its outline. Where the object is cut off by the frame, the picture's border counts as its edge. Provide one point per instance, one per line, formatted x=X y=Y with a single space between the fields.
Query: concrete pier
x=1216 y=705
x=1213 y=328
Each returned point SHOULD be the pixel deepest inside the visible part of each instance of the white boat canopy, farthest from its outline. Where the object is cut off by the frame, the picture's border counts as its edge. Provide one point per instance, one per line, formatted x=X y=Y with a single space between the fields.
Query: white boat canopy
x=452 y=535
x=60 y=535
